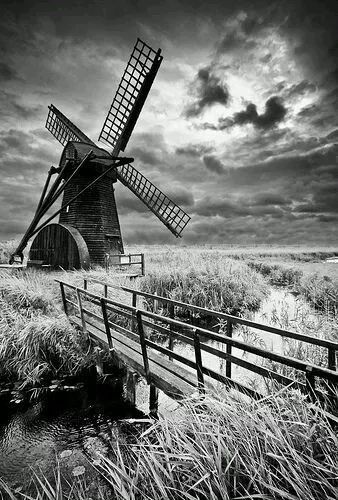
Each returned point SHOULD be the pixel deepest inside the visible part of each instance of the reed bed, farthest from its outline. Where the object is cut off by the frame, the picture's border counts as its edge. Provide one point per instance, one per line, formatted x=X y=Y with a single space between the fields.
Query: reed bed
x=6 y=250
x=36 y=339
x=209 y=281
x=281 y=447
x=229 y=447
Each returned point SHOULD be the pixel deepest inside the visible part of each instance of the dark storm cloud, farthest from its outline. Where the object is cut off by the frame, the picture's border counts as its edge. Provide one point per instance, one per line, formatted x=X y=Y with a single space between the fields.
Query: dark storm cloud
x=240 y=207
x=213 y=164
x=209 y=90
x=264 y=199
x=7 y=73
x=274 y=113
x=193 y=150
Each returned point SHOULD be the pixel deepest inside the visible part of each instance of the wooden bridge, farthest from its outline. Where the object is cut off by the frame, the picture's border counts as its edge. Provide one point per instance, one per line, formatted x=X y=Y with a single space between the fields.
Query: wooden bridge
x=136 y=334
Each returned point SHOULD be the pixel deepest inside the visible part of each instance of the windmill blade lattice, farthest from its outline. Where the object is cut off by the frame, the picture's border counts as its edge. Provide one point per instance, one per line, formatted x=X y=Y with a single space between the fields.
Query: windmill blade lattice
x=163 y=207
x=130 y=96
x=63 y=129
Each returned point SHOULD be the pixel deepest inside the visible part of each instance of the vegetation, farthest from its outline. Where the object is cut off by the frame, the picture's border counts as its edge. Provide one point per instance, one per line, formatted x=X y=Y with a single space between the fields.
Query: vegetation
x=231 y=447
x=6 y=250
x=36 y=339
x=223 y=448
x=204 y=279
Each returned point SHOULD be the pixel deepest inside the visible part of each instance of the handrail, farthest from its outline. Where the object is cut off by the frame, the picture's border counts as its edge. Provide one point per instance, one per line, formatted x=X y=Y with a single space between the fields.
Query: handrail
x=191 y=335
x=329 y=344
x=130 y=261
x=305 y=367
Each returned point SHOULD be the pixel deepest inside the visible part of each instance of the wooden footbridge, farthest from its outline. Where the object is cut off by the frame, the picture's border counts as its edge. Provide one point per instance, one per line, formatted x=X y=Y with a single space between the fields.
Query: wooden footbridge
x=141 y=334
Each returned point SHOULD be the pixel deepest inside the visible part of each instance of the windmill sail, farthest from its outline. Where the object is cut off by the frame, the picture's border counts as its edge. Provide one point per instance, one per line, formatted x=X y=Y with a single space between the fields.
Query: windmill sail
x=63 y=129
x=163 y=207
x=130 y=96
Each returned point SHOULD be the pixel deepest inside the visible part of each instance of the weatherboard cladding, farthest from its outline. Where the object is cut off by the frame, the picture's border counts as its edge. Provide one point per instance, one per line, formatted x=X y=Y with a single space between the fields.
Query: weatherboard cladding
x=93 y=213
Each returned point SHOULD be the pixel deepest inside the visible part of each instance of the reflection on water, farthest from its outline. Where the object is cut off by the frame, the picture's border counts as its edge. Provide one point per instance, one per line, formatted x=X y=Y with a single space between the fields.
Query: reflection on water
x=65 y=428
x=280 y=309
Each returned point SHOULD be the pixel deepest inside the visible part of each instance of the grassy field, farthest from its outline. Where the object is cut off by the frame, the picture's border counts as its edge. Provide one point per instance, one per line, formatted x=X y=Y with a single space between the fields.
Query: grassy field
x=229 y=447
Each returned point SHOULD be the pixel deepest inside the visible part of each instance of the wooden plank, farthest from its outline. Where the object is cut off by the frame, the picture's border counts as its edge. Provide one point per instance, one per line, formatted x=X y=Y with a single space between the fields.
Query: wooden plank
x=130 y=353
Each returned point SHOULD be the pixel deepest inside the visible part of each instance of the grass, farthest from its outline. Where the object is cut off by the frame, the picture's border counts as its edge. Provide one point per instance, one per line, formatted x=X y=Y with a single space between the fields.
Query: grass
x=6 y=250
x=281 y=447
x=36 y=339
x=225 y=448
x=209 y=281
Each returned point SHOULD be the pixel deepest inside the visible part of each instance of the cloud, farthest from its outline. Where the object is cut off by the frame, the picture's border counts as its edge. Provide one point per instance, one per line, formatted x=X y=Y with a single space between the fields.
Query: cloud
x=301 y=88
x=266 y=199
x=213 y=164
x=273 y=114
x=209 y=90
x=193 y=150
x=7 y=73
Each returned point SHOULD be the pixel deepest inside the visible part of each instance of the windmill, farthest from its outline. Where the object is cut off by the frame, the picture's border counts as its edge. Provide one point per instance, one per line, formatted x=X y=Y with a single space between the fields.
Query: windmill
x=88 y=229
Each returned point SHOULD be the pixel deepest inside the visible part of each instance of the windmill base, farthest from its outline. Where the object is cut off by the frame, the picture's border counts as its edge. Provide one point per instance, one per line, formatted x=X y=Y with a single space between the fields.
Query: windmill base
x=60 y=246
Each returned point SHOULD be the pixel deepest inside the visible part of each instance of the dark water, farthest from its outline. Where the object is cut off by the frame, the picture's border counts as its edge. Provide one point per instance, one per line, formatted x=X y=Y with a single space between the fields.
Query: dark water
x=70 y=429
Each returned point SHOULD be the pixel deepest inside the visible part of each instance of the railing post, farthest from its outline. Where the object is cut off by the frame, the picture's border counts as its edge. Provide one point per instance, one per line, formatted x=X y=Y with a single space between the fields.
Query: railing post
x=105 y=288
x=153 y=401
x=171 y=309
x=85 y=283
x=310 y=383
x=79 y=301
x=332 y=362
x=143 y=345
x=198 y=359
x=63 y=295
x=142 y=265
x=134 y=299
x=228 y=349
x=106 y=324
x=134 y=304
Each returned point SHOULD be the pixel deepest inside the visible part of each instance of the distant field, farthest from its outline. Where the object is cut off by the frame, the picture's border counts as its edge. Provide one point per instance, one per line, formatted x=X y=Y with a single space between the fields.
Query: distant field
x=309 y=260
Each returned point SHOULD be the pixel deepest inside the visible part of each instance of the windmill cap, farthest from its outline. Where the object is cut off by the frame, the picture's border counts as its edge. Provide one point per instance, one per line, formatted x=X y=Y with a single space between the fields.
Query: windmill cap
x=78 y=150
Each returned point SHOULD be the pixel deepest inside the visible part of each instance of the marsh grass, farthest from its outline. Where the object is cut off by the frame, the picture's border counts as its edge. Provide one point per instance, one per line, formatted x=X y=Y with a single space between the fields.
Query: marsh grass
x=221 y=447
x=281 y=447
x=36 y=339
x=277 y=274
x=321 y=292
x=209 y=281
x=6 y=250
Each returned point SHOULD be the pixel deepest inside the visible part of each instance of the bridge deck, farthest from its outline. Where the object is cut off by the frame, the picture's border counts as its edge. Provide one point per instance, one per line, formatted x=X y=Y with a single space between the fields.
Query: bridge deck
x=168 y=376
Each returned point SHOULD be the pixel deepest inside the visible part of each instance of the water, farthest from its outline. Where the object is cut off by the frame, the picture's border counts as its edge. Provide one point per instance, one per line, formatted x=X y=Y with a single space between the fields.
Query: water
x=71 y=429
x=280 y=309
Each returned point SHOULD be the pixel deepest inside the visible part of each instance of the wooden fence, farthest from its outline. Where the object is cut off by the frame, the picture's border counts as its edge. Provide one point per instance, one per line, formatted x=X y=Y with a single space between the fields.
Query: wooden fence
x=138 y=323
x=129 y=260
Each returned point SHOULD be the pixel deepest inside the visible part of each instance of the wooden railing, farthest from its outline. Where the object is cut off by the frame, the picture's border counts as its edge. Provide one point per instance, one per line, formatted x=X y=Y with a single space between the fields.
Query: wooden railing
x=110 y=312
x=129 y=260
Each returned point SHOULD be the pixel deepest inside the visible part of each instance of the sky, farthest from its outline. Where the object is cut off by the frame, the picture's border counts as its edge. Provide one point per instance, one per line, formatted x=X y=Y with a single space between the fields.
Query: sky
x=240 y=127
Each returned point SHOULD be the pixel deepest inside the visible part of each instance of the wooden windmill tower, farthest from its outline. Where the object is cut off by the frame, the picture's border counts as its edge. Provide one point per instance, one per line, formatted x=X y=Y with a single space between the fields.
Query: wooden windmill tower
x=88 y=227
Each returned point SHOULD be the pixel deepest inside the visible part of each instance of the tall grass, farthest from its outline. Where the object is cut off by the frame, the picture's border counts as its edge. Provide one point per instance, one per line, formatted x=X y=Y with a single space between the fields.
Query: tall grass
x=6 y=250
x=321 y=292
x=36 y=339
x=281 y=447
x=208 y=281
